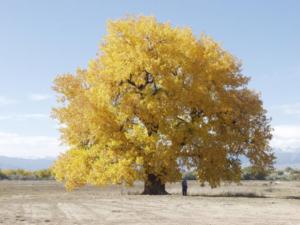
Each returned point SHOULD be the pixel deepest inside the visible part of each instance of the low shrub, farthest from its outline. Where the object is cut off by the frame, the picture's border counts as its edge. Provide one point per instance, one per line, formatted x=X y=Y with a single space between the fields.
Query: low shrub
x=20 y=174
x=191 y=175
x=248 y=173
x=2 y=175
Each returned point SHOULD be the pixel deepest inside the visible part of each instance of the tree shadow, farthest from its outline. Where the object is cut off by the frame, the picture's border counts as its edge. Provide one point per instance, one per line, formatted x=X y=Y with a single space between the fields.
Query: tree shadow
x=293 y=197
x=231 y=195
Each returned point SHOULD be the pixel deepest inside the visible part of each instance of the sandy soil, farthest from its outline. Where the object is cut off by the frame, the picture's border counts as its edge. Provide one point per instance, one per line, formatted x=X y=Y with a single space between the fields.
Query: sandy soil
x=46 y=202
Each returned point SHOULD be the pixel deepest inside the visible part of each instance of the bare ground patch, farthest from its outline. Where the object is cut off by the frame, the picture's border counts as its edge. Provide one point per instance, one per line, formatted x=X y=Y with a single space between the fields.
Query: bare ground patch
x=44 y=202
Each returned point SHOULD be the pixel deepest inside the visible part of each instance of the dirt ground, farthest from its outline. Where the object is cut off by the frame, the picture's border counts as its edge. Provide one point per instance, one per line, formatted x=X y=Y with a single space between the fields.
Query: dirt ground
x=46 y=202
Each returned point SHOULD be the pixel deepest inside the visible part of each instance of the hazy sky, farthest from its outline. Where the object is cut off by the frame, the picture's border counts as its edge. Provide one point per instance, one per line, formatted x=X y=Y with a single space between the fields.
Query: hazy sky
x=41 y=39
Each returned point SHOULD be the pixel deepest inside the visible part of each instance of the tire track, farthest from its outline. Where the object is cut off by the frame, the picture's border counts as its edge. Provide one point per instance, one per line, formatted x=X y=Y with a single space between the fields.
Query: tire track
x=76 y=212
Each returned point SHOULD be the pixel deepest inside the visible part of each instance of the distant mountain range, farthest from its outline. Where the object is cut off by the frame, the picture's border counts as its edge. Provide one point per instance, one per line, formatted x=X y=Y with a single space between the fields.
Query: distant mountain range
x=287 y=159
x=284 y=159
x=27 y=164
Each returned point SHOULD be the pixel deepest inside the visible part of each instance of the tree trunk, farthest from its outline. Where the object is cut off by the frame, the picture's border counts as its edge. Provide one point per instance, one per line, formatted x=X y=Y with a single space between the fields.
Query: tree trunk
x=153 y=186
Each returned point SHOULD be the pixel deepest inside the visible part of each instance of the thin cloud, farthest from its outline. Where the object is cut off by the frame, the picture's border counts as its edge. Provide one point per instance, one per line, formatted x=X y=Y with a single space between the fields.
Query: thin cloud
x=24 y=116
x=16 y=145
x=39 y=97
x=286 y=138
x=6 y=101
x=34 y=116
x=290 y=109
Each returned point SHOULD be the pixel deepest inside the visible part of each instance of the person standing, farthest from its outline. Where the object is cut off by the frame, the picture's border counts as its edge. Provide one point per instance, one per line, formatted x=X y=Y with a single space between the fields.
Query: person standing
x=184 y=187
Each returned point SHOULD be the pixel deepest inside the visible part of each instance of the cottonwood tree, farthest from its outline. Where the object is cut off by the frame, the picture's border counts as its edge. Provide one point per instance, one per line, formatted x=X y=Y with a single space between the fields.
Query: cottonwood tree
x=155 y=99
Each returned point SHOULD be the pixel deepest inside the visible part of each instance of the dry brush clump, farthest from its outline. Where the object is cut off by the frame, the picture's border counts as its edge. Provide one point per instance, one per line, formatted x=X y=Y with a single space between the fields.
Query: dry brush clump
x=287 y=174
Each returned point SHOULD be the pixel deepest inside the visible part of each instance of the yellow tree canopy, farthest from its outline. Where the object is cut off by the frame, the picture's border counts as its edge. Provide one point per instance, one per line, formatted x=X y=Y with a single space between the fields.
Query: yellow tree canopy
x=157 y=99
